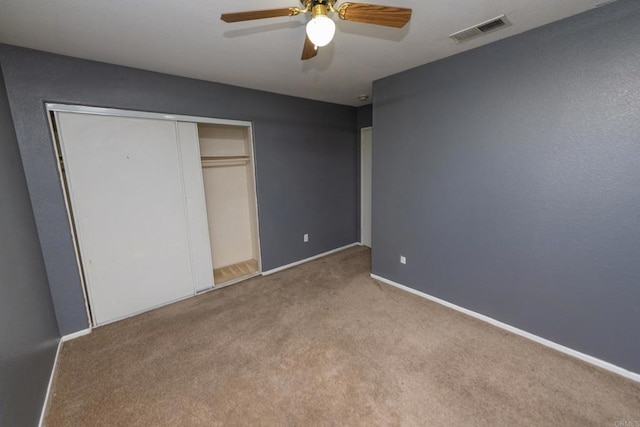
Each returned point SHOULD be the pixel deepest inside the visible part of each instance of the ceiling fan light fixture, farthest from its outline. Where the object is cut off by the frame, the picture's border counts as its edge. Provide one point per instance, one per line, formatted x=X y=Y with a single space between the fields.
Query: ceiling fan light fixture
x=321 y=30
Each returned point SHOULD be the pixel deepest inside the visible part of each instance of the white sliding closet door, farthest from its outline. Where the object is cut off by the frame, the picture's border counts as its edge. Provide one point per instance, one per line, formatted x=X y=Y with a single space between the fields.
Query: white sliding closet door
x=196 y=206
x=127 y=196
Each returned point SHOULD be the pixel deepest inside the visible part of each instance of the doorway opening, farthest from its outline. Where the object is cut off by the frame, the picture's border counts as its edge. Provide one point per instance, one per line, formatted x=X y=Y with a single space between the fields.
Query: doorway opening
x=365 y=185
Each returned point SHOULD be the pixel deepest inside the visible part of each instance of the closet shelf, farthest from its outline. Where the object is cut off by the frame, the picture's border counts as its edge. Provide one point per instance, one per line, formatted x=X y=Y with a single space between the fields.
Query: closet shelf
x=217 y=161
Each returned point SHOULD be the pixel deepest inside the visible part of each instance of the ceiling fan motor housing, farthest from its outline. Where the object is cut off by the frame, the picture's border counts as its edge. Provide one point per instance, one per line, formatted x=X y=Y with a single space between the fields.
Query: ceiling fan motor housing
x=318 y=7
x=319 y=10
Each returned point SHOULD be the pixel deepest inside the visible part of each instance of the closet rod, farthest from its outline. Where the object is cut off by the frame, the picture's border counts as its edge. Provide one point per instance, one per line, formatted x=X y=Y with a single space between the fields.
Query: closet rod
x=224 y=157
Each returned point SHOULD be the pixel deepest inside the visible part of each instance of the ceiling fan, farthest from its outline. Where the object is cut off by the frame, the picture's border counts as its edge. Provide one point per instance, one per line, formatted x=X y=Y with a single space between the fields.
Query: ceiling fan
x=321 y=28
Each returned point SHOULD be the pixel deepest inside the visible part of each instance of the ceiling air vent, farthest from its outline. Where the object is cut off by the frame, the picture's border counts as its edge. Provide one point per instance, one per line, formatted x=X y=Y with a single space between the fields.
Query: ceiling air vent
x=480 y=29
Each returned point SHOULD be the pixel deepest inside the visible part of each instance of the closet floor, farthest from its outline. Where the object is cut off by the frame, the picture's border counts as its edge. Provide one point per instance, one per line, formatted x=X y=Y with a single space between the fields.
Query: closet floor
x=235 y=271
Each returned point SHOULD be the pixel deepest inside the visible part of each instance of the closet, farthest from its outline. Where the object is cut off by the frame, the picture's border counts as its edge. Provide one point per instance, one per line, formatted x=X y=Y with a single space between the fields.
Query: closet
x=229 y=191
x=162 y=207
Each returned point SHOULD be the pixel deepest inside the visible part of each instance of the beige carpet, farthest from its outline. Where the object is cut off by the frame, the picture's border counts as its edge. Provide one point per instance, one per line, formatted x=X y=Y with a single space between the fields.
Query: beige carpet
x=323 y=344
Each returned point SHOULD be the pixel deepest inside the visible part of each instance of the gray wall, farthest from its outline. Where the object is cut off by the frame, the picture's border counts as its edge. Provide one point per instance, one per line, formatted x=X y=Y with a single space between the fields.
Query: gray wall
x=365 y=116
x=509 y=176
x=28 y=330
x=305 y=156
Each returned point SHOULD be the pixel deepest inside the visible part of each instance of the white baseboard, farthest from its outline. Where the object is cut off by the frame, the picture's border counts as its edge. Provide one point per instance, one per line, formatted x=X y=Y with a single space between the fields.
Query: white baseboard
x=75 y=335
x=55 y=365
x=293 y=264
x=53 y=372
x=566 y=350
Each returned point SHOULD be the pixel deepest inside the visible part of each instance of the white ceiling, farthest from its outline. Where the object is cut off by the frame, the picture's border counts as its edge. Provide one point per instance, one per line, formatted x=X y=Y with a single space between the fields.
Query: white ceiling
x=187 y=38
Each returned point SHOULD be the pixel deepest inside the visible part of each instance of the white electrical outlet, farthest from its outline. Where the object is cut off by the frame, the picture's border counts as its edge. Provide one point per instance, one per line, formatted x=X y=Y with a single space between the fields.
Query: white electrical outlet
x=306 y=238
x=403 y=259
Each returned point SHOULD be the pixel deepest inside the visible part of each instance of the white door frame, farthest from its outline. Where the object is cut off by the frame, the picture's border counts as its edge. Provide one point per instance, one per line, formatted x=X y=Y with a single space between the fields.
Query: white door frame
x=142 y=114
x=362 y=198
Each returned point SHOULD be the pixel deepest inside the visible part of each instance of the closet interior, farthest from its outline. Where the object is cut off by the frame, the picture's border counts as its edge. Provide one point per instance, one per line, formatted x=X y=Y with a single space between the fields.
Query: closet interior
x=229 y=186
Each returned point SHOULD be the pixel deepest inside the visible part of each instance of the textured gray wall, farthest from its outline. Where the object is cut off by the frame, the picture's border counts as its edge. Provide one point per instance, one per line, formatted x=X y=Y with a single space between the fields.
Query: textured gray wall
x=509 y=176
x=28 y=330
x=305 y=156
x=365 y=116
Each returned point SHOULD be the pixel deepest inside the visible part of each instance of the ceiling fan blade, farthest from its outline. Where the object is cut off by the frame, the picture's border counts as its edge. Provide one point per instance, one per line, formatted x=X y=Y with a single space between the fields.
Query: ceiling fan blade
x=259 y=14
x=309 y=50
x=388 y=16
